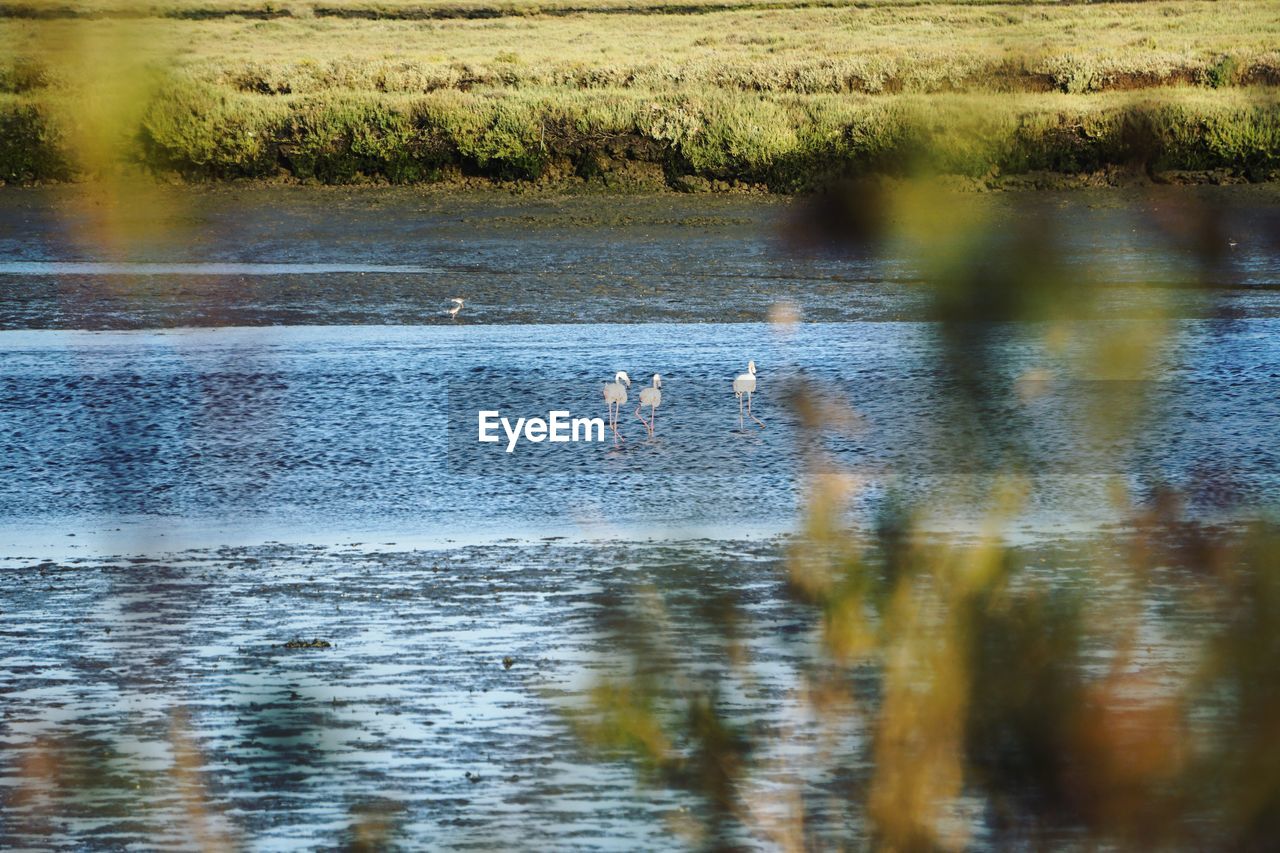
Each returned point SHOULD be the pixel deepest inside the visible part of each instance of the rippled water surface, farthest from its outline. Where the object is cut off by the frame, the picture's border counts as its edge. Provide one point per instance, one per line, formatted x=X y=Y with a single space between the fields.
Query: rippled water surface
x=376 y=428
x=263 y=428
x=165 y=683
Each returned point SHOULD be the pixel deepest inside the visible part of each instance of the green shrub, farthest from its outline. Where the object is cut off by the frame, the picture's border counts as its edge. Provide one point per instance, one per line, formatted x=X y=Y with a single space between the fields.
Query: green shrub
x=1223 y=72
x=24 y=74
x=31 y=147
x=201 y=131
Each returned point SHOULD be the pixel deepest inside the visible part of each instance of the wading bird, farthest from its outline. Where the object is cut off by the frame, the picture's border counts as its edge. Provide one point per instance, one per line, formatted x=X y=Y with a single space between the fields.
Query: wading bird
x=457 y=306
x=651 y=397
x=615 y=394
x=746 y=384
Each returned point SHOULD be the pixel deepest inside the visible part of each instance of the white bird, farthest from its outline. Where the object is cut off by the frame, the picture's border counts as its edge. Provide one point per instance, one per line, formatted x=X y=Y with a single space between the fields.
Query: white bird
x=651 y=397
x=746 y=384
x=615 y=395
x=457 y=306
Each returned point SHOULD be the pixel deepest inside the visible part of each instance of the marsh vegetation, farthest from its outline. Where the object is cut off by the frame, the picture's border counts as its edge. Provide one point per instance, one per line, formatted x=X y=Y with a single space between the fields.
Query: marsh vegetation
x=783 y=96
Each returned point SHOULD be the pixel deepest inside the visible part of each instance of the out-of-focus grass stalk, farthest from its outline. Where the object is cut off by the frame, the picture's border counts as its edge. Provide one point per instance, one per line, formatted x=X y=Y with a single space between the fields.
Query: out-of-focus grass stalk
x=202 y=826
x=116 y=215
x=113 y=77
x=1030 y=694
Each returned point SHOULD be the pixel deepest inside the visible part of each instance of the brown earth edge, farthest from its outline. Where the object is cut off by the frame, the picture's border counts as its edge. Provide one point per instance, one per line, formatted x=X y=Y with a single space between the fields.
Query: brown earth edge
x=642 y=178
x=430 y=11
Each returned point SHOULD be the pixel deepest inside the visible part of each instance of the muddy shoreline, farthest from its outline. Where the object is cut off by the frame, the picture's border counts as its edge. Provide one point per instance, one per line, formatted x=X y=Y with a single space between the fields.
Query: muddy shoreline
x=254 y=254
x=186 y=696
x=439 y=702
x=637 y=179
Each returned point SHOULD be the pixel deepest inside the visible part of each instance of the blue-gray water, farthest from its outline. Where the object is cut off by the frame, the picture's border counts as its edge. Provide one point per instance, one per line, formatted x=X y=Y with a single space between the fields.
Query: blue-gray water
x=160 y=388
x=263 y=430
x=297 y=256
x=369 y=430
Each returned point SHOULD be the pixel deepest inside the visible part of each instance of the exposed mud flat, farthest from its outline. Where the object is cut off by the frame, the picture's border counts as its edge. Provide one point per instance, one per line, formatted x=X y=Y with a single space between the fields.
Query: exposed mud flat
x=273 y=256
x=438 y=702
x=155 y=701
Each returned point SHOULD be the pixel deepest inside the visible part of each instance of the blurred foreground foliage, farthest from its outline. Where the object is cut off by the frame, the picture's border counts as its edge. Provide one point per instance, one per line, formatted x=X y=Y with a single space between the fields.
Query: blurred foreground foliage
x=958 y=689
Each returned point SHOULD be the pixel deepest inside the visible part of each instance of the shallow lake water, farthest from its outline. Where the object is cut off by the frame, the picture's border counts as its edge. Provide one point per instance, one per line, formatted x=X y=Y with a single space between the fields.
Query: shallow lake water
x=264 y=428
x=166 y=683
x=369 y=430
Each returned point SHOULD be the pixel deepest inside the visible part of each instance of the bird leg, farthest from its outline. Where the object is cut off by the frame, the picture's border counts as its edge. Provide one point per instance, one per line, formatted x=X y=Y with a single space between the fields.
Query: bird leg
x=753 y=417
x=740 y=421
x=653 y=419
x=648 y=428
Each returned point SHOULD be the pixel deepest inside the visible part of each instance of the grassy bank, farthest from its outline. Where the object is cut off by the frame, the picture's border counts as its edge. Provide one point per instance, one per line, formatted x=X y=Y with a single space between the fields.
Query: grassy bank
x=779 y=95
x=619 y=138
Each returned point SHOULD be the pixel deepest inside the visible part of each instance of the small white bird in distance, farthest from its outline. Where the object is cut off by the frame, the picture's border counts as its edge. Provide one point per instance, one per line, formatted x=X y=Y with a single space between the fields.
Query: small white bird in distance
x=457 y=306
x=651 y=397
x=746 y=384
x=615 y=395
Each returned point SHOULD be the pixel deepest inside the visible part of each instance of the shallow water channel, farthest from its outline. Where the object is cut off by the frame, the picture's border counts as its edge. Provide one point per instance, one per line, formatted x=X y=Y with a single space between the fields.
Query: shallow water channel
x=262 y=428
